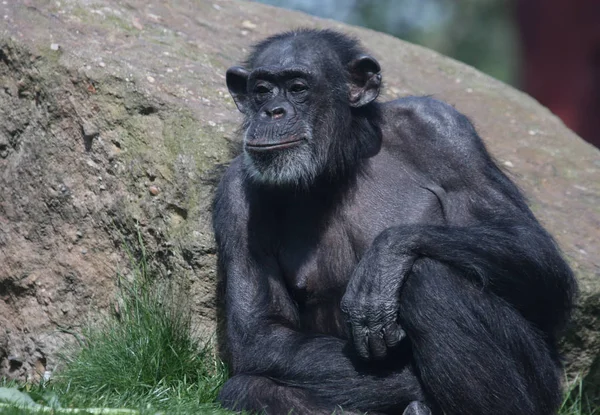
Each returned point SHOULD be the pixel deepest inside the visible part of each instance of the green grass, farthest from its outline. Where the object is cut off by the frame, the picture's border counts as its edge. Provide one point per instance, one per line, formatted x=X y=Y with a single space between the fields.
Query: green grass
x=147 y=358
x=575 y=402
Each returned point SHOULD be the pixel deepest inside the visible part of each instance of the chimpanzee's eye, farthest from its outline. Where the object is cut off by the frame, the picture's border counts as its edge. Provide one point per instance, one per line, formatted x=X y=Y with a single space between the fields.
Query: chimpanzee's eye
x=261 y=89
x=298 y=87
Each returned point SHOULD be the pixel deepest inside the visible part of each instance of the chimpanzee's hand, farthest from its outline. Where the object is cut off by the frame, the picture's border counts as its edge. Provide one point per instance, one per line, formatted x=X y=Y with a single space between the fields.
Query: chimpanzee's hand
x=372 y=297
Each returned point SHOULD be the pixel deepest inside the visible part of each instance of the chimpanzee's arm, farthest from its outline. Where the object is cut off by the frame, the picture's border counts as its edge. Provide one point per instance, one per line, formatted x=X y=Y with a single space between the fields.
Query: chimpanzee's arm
x=490 y=234
x=262 y=323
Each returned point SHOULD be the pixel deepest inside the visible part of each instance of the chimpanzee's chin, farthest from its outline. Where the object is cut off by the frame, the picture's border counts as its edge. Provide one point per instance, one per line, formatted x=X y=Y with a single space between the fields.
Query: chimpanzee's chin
x=294 y=166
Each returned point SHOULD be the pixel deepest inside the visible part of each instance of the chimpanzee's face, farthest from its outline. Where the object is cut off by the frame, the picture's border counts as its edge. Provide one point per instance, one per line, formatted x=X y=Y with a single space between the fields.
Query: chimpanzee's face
x=296 y=102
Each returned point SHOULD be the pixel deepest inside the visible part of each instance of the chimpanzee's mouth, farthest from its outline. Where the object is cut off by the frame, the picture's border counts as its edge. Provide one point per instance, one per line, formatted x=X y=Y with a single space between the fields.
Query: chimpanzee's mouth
x=279 y=145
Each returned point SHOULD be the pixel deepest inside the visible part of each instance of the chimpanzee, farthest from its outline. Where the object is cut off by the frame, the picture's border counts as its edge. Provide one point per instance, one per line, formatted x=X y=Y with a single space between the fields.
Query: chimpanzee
x=373 y=257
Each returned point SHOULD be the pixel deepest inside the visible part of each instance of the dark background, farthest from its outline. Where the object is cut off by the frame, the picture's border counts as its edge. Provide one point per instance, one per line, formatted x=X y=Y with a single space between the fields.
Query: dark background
x=548 y=48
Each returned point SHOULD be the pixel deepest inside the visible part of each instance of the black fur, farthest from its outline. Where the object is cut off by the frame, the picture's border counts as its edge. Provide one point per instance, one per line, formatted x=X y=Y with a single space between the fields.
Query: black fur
x=453 y=295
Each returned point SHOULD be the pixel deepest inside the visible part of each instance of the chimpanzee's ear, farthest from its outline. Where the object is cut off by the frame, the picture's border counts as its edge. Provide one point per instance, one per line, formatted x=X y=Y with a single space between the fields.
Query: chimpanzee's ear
x=237 y=81
x=365 y=80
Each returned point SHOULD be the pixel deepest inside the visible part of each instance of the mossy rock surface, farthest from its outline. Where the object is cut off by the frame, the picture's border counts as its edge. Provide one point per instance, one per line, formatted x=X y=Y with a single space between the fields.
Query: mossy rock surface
x=114 y=118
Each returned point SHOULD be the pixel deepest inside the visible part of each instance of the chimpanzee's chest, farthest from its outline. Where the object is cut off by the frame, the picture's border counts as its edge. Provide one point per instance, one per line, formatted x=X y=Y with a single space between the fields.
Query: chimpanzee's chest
x=316 y=265
x=317 y=254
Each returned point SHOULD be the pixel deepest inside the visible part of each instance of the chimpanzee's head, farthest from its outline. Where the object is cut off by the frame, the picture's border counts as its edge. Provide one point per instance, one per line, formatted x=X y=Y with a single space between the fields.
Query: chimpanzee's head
x=304 y=94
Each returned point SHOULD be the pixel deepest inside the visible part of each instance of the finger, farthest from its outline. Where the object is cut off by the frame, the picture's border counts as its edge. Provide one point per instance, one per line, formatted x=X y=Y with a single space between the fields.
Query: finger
x=393 y=334
x=360 y=338
x=377 y=345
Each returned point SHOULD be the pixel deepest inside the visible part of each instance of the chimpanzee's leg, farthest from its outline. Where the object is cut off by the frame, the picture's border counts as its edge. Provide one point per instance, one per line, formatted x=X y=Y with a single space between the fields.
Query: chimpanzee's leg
x=474 y=353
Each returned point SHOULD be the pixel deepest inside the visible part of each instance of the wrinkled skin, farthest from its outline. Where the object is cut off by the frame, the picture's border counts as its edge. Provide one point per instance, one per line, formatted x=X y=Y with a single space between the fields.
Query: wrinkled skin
x=372 y=256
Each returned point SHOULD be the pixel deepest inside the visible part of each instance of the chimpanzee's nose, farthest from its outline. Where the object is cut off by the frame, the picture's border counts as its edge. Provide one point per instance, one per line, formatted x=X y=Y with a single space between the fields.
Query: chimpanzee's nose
x=275 y=112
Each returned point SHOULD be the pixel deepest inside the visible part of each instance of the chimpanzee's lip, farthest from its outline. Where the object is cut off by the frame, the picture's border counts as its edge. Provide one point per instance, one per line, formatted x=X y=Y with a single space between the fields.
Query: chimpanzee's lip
x=273 y=146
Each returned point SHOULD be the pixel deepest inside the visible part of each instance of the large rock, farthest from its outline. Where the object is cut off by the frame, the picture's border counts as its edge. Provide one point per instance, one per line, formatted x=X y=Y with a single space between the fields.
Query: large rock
x=114 y=118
